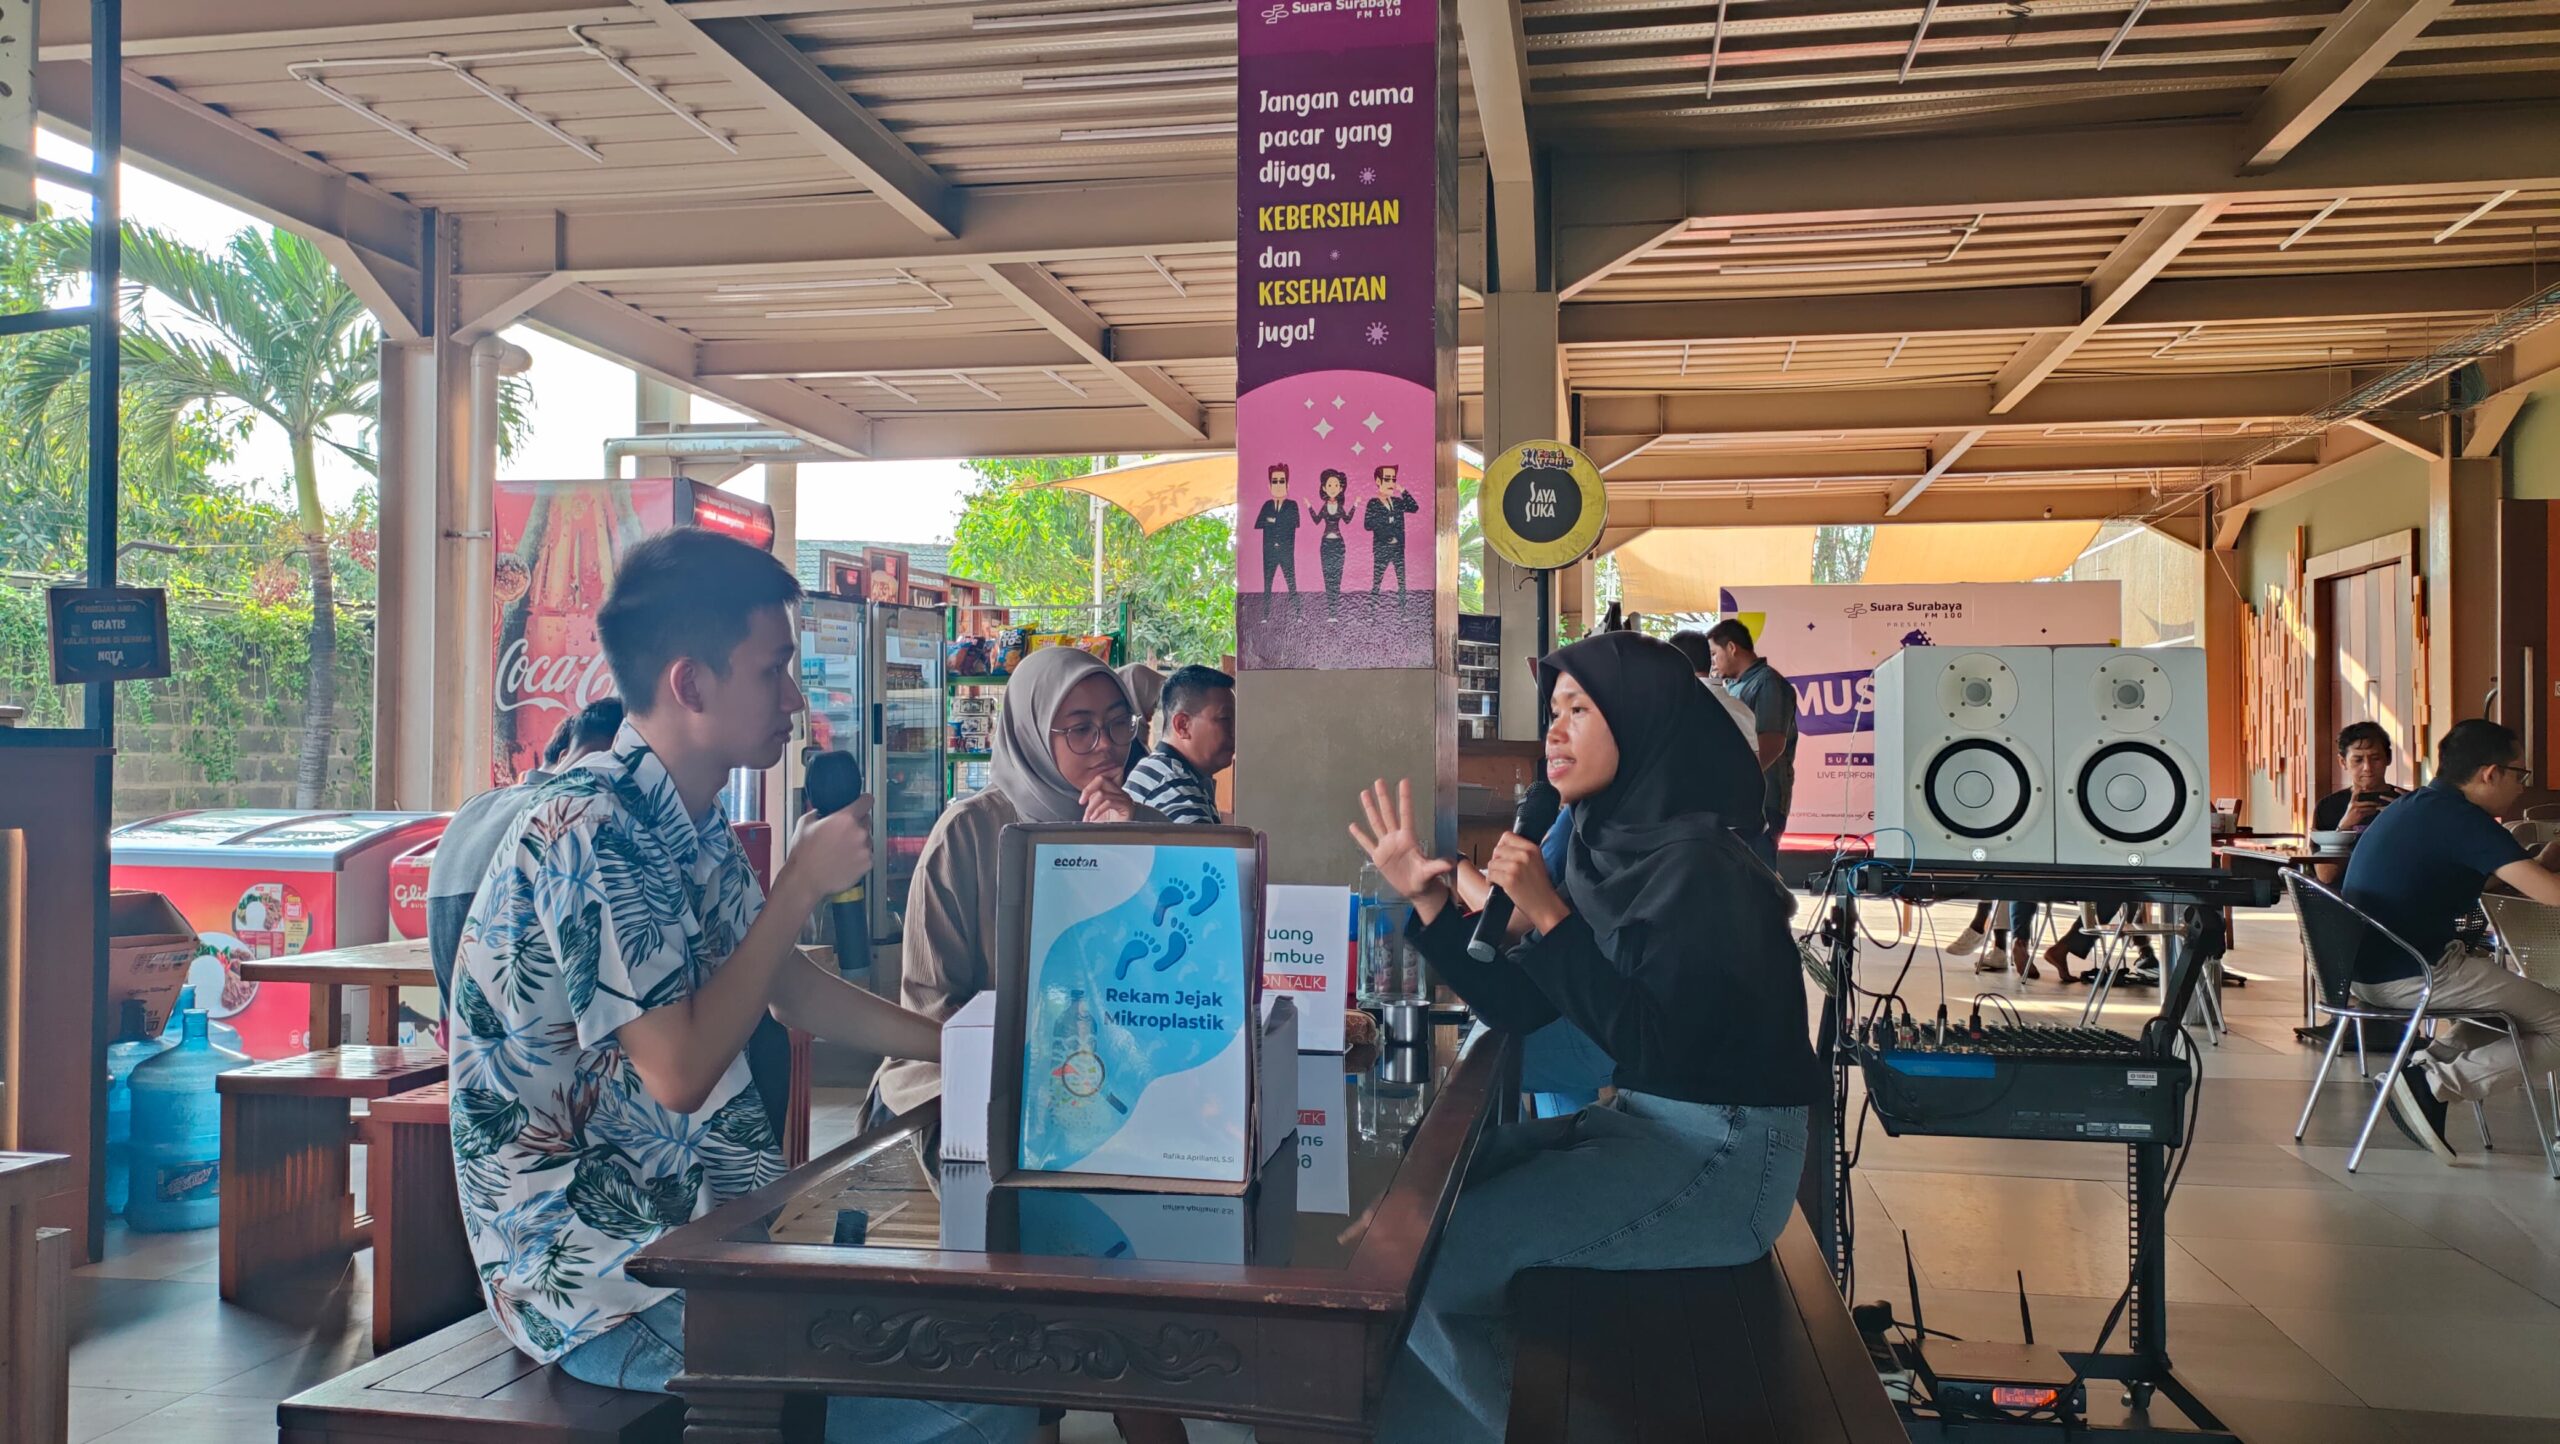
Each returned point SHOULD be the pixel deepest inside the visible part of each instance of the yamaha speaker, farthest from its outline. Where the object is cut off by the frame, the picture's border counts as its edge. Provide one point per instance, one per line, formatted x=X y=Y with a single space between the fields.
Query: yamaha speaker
x=1962 y=734
x=2130 y=749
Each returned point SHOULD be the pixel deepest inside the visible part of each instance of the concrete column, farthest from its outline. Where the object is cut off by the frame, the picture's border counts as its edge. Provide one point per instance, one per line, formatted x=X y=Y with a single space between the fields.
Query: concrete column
x=782 y=494
x=424 y=442
x=658 y=407
x=1524 y=401
x=2462 y=554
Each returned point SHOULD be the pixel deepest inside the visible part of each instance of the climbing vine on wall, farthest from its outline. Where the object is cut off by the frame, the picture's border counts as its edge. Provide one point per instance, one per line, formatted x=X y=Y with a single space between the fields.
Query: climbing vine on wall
x=233 y=667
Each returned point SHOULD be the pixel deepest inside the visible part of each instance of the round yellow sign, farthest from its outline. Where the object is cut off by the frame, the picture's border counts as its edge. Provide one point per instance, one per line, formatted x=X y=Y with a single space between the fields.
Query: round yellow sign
x=1543 y=505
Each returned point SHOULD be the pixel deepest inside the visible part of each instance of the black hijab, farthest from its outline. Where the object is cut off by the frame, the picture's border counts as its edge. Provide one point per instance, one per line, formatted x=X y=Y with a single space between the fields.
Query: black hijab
x=1656 y=841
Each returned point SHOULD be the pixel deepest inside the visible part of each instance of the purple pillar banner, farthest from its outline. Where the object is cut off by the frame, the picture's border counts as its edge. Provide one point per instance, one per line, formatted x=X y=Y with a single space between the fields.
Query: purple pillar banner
x=1337 y=166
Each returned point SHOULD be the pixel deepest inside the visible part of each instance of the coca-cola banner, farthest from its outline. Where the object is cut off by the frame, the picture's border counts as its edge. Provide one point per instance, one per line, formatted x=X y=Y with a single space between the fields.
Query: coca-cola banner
x=558 y=544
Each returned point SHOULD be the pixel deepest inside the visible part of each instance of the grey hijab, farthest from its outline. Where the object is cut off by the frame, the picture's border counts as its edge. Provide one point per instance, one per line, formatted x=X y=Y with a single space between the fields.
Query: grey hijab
x=1023 y=769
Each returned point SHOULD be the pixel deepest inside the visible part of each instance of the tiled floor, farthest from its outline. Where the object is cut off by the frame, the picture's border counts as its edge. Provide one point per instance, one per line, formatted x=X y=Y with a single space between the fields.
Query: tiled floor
x=2410 y=1303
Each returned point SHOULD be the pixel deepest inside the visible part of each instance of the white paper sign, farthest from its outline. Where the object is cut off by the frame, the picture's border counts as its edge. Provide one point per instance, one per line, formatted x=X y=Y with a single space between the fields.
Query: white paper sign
x=1306 y=952
x=1324 y=1147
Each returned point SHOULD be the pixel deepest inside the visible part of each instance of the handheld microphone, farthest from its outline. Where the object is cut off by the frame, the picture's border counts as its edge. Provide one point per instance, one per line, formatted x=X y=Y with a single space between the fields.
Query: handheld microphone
x=834 y=783
x=1538 y=807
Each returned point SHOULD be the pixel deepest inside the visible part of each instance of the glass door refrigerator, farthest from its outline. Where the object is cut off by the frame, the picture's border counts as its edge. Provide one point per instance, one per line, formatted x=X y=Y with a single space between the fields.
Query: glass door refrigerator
x=873 y=675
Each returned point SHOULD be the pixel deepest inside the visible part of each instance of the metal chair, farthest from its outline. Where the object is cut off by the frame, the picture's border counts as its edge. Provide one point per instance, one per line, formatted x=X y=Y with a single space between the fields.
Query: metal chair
x=2543 y=812
x=2114 y=962
x=2334 y=931
x=2528 y=935
x=2534 y=832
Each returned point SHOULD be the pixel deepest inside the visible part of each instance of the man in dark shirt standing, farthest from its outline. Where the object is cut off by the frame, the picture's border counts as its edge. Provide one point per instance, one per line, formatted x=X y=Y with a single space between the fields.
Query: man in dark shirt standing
x=1760 y=687
x=1278 y=523
x=2418 y=871
x=1383 y=519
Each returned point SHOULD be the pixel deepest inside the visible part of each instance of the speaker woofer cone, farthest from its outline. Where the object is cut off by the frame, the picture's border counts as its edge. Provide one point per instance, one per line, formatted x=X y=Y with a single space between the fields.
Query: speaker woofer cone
x=1987 y=759
x=2163 y=785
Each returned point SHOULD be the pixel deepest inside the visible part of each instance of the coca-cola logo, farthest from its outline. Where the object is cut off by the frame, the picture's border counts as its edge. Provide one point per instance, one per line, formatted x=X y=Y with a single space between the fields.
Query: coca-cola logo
x=563 y=683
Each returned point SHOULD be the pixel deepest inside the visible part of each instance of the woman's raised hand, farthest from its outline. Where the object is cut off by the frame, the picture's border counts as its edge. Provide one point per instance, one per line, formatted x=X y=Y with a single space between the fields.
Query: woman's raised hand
x=1395 y=848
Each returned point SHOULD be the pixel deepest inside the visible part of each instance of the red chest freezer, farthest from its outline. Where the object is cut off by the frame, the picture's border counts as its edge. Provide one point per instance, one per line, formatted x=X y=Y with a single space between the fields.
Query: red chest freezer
x=261 y=883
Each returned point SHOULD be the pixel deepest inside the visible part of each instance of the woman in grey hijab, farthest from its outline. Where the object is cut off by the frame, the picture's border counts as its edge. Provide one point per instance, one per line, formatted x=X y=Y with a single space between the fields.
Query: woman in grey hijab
x=1061 y=747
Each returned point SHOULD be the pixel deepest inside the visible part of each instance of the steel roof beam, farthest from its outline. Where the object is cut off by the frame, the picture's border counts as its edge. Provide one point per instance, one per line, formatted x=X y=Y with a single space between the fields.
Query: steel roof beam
x=1012 y=350
x=2018 y=500
x=2271 y=396
x=616 y=332
x=762 y=61
x=2152 y=246
x=1609 y=205
x=1076 y=431
x=1496 y=63
x=1997 y=453
x=1046 y=300
x=783 y=238
x=1948 y=451
x=2328 y=73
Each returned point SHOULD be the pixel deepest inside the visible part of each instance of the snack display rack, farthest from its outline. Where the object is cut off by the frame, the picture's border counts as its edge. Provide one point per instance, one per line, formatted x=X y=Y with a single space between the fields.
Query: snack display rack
x=974 y=699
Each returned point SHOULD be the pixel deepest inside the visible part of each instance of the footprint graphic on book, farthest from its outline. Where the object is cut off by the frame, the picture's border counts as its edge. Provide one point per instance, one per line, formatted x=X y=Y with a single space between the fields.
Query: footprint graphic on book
x=1210 y=891
x=1172 y=896
x=1130 y=952
x=1175 y=946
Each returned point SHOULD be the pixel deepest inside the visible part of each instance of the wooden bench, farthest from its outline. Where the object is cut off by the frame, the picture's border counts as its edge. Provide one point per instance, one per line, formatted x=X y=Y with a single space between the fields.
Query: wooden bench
x=467 y=1385
x=286 y=1130
x=1763 y=1353
x=423 y=1275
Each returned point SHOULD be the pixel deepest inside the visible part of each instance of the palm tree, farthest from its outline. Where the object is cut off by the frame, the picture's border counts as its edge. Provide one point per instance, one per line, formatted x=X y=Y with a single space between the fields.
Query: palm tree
x=265 y=327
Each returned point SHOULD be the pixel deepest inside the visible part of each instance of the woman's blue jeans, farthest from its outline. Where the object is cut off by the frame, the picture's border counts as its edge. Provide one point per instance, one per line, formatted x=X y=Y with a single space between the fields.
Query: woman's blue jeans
x=1647 y=1183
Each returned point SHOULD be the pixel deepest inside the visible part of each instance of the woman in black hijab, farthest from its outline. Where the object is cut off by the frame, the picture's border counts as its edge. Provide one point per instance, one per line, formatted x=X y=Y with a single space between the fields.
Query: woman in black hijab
x=1668 y=944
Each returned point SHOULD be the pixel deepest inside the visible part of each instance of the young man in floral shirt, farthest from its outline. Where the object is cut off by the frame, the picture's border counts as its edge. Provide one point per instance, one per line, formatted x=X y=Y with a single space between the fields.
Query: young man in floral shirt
x=617 y=958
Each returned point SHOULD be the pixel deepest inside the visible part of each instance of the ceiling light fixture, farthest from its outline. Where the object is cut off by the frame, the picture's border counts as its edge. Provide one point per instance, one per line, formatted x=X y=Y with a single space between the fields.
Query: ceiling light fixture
x=1100 y=17
x=1114 y=79
x=1151 y=132
x=2122 y=31
x=2305 y=228
x=1793 y=268
x=812 y=312
x=1848 y=233
x=2491 y=204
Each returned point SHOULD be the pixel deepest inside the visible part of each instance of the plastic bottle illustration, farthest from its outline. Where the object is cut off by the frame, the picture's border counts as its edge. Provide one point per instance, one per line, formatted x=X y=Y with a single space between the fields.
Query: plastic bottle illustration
x=176 y=1167
x=127 y=1053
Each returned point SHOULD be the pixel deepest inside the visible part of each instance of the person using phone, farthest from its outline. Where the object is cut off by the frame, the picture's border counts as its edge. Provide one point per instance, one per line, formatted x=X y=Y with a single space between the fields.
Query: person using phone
x=2364 y=756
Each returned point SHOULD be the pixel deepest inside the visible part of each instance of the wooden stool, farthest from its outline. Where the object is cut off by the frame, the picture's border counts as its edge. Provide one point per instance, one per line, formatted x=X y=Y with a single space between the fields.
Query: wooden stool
x=423 y=1275
x=286 y=1127
x=468 y=1385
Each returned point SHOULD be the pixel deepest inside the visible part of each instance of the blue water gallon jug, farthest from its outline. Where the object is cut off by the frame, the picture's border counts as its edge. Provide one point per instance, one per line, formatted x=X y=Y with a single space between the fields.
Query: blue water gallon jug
x=176 y=1165
x=222 y=1033
x=131 y=1047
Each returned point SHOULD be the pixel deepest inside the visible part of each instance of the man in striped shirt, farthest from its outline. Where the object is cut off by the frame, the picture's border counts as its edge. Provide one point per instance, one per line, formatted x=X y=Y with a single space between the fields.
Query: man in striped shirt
x=1195 y=741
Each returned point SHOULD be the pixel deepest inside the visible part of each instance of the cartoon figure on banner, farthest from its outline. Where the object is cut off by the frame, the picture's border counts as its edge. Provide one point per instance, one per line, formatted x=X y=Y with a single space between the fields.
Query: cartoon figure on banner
x=1278 y=523
x=1332 y=510
x=1383 y=518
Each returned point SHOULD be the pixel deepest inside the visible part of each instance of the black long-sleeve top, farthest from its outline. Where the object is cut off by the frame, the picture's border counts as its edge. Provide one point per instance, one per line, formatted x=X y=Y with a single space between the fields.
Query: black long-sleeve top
x=1713 y=1012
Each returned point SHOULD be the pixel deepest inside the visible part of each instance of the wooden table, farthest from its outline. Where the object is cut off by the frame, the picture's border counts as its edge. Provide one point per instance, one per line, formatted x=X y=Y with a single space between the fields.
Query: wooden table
x=382 y=969
x=1295 y=1340
x=34 y=1342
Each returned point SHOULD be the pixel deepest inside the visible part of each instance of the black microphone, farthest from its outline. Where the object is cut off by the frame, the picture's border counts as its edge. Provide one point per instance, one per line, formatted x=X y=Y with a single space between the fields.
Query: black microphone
x=1538 y=807
x=834 y=783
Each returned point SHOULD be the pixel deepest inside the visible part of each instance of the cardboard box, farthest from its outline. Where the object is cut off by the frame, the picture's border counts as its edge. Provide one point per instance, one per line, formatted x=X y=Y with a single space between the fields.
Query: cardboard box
x=150 y=946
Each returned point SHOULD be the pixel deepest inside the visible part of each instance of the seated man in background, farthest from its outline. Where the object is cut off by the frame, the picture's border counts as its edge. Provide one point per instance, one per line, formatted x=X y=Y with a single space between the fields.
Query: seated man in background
x=462 y=855
x=1195 y=741
x=2419 y=871
x=2364 y=755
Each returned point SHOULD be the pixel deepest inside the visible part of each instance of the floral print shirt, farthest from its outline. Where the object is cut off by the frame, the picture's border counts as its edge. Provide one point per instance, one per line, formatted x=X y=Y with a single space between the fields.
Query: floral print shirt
x=604 y=901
